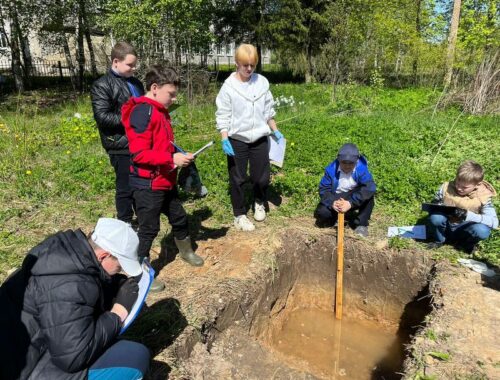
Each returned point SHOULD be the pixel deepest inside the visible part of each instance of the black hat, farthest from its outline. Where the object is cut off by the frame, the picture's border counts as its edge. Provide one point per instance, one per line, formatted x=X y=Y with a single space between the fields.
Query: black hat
x=348 y=152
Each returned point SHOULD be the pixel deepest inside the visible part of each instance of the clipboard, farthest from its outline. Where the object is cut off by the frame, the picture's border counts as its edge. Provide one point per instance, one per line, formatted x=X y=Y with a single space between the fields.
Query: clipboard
x=438 y=208
x=148 y=274
x=277 y=151
x=203 y=148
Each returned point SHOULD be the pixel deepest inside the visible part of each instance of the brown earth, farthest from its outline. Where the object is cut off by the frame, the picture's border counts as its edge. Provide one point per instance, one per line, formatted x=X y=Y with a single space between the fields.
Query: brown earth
x=212 y=322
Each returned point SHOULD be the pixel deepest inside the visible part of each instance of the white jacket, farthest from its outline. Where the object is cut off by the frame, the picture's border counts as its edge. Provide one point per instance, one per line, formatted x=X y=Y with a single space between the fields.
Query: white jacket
x=244 y=108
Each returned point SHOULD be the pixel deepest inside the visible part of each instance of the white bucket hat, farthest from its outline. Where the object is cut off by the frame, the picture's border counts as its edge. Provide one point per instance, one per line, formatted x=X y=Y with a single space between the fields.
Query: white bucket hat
x=121 y=241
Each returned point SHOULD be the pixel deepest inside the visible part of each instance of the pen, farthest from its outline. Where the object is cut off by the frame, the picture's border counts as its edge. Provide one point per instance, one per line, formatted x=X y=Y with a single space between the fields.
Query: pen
x=178 y=148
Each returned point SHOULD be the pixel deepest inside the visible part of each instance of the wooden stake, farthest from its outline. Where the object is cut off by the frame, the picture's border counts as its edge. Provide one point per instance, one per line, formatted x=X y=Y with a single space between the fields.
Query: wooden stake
x=340 y=266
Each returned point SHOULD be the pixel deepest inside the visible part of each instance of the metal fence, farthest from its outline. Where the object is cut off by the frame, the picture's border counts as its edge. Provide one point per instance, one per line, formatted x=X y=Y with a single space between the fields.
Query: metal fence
x=43 y=69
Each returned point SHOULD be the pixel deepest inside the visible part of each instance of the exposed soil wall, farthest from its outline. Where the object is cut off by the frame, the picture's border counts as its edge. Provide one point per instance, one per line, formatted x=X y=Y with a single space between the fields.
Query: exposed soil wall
x=249 y=280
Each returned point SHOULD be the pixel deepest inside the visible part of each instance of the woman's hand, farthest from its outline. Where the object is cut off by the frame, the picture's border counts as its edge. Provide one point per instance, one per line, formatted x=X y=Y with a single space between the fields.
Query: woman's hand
x=183 y=159
x=278 y=135
x=227 y=147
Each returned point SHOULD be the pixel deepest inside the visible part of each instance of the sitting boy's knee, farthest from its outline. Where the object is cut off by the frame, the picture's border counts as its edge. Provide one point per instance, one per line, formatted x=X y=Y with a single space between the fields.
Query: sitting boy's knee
x=481 y=231
x=437 y=219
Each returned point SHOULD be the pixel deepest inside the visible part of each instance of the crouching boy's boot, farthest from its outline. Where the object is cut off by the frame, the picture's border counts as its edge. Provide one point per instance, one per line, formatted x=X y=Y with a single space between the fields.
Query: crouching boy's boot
x=156 y=285
x=186 y=252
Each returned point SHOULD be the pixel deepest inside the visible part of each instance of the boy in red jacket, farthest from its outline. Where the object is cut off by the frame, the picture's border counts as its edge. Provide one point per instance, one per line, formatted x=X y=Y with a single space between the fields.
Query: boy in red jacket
x=154 y=162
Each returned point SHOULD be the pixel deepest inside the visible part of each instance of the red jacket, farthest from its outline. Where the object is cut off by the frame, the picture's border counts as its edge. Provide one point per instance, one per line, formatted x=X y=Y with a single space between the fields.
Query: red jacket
x=150 y=136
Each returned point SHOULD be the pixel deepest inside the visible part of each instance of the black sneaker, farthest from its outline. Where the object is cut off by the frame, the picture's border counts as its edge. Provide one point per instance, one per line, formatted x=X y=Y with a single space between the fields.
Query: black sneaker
x=361 y=231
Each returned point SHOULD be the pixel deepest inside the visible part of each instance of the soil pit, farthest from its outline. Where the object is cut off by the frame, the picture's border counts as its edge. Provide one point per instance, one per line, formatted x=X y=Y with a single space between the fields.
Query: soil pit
x=284 y=326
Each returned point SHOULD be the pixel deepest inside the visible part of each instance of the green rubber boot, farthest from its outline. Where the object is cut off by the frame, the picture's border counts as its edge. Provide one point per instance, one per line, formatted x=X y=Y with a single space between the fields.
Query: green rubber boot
x=156 y=286
x=186 y=252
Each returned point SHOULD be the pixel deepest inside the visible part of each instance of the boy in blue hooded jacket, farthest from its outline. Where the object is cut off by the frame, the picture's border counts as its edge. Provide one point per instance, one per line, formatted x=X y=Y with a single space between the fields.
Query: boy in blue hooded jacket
x=346 y=186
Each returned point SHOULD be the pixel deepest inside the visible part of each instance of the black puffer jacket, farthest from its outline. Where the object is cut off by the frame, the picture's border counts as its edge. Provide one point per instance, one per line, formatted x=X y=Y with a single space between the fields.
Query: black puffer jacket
x=109 y=93
x=53 y=323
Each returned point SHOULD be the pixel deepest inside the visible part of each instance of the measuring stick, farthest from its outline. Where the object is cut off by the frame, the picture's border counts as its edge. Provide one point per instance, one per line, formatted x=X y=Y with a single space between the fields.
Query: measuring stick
x=340 y=266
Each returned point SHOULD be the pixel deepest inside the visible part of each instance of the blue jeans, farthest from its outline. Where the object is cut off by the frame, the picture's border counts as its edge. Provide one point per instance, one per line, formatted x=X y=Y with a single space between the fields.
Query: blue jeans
x=465 y=234
x=125 y=360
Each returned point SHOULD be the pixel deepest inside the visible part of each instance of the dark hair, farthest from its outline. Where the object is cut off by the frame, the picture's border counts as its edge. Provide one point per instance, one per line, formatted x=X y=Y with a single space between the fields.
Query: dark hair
x=121 y=50
x=161 y=75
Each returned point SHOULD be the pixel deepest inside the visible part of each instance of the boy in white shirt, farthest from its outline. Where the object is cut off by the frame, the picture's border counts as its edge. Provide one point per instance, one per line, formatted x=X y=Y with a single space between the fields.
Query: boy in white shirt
x=347 y=185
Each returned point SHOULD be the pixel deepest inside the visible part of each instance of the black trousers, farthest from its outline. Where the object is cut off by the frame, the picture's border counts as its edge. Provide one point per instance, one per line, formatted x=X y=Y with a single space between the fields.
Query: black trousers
x=257 y=155
x=124 y=199
x=150 y=204
x=329 y=215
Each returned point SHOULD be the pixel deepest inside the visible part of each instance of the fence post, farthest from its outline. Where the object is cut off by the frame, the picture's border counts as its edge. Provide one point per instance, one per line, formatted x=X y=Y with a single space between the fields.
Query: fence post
x=60 y=70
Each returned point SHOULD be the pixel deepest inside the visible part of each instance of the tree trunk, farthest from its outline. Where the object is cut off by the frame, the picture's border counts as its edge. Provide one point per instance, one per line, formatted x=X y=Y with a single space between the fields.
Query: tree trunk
x=258 y=40
x=309 y=69
x=24 y=49
x=16 y=64
x=80 y=57
x=15 y=51
x=259 y=53
x=69 y=60
x=417 y=50
x=452 y=40
x=90 y=45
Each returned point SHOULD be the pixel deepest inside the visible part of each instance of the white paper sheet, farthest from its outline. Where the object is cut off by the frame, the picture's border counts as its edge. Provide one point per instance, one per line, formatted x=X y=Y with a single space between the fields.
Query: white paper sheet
x=277 y=151
x=148 y=274
x=411 y=232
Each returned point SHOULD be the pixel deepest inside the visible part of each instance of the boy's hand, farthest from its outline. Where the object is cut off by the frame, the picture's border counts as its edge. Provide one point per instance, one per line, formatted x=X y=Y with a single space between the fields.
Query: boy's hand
x=183 y=159
x=342 y=205
x=459 y=215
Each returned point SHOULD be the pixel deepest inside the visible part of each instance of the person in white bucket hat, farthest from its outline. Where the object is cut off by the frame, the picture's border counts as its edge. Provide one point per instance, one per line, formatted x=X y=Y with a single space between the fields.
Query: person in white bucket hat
x=64 y=308
x=119 y=240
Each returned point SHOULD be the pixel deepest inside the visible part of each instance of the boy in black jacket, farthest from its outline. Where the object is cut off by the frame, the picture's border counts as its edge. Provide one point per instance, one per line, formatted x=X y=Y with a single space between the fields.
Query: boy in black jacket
x=108 y=94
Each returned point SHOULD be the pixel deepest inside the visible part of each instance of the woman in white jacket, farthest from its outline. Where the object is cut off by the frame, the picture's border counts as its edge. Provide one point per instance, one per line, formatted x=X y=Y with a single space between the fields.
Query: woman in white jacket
x=245 y=119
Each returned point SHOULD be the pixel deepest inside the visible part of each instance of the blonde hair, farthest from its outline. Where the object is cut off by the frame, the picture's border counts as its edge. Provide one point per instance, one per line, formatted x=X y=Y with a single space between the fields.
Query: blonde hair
x=470 y=172
x=245 y=53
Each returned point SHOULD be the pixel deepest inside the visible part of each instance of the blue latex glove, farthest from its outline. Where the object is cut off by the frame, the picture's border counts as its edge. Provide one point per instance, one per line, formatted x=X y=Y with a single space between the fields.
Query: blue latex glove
x=227 y=147
x=278 y=135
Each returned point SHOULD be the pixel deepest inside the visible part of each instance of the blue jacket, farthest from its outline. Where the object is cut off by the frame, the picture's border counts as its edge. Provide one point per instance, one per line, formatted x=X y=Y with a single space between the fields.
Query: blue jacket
x=362 y=192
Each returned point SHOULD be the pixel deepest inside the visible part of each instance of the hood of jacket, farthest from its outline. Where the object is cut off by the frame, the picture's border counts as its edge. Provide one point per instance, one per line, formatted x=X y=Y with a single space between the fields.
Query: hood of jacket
x=260 y=83
x=66 y=252
x=128 y=107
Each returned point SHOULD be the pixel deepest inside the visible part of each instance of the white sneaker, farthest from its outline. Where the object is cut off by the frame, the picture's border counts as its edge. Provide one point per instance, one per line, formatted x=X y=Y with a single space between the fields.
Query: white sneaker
x=243 y=224
x=259 y=213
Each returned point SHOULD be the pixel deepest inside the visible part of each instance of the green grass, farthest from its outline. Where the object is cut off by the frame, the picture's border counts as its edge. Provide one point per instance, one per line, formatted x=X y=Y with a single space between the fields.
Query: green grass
x=55 y=175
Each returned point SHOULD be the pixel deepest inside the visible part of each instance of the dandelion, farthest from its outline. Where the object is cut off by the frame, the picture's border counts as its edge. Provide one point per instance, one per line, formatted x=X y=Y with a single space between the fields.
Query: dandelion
x=28 y=172
x=292 y=144
x=100 y=161
x=68 y=152
x=78 y=115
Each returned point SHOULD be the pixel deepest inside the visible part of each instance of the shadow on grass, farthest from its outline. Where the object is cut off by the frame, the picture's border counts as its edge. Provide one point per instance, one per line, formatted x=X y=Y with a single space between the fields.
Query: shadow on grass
x=197 y=232
x=157 y=327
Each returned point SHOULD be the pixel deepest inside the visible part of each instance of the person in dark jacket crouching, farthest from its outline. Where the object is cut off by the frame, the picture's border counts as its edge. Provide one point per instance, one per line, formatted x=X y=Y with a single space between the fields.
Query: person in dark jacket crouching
x=347 y=185
x=63 y=309
x=108 y=94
